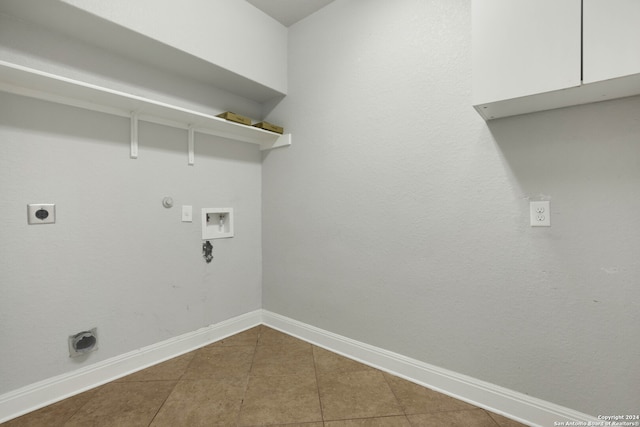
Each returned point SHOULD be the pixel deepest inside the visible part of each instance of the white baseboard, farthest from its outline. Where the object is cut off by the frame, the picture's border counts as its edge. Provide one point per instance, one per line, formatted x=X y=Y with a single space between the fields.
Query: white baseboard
x=43 y=393
x=523 y=408
x=520 y=407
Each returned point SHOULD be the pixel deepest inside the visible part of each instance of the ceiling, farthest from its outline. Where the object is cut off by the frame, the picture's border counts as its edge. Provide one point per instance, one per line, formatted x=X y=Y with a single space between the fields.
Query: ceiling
x=288 y=12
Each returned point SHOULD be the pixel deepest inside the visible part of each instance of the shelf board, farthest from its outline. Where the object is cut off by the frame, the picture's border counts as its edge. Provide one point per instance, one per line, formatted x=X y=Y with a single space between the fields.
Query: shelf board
x=38 y=84
x=583 y=94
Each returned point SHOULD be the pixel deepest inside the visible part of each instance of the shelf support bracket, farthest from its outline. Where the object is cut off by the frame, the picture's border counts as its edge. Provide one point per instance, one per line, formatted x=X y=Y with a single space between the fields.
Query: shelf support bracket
x=191 y=142
x=134 y=135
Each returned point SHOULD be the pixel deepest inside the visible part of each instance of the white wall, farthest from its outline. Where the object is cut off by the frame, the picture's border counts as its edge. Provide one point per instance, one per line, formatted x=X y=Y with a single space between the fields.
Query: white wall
x=31 y=45
x=116 y=259
x=399 y=218
x=232 y=34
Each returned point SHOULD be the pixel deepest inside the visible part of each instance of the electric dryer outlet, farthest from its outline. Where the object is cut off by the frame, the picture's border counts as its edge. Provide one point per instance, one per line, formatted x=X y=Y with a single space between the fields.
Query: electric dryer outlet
x=41 y=213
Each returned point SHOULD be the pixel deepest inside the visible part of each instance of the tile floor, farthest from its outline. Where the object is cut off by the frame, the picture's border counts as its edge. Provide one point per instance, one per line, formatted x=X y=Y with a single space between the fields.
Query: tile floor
x=261 y=377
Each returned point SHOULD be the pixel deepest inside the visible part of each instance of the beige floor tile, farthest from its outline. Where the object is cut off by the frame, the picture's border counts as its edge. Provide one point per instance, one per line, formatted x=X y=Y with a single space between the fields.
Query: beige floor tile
x=172 y=369
x=210 y=402
x=371 y=422
x=280 y=400
x=261 y=377
x=472 y=418
x=363 y=394
x=270 y=336
x=53 y=415
x=504 y=421
x=416 y=399
x=220 y=362
x=204 y=390
x=192 y=414
x=248 y=338
x=318 y=424
x=327 y=361
x=296 y=359
x=123 y=404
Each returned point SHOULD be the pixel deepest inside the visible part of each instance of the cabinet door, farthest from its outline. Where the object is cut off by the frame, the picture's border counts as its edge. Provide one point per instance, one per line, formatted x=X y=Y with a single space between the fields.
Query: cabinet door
x=611 y=39
x=524 y=47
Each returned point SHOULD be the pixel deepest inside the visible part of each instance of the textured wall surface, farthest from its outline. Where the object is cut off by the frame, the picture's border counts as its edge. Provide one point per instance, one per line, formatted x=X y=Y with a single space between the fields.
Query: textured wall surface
x=116 y=259
x=399 y=218
x=30 y=45
x=231 y=34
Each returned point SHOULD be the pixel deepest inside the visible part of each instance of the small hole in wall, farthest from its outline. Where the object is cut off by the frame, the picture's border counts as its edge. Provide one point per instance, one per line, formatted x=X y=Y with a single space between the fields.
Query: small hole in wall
x=83 y=342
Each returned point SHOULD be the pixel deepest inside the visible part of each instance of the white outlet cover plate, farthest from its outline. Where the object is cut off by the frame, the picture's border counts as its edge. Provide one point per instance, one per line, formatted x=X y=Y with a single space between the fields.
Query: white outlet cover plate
x=540 y=213
x=33 y=217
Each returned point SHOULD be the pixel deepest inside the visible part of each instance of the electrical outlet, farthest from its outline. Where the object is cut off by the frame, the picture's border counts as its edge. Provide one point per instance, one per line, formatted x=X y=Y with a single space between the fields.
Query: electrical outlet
x=43 y=213
x=540 y=214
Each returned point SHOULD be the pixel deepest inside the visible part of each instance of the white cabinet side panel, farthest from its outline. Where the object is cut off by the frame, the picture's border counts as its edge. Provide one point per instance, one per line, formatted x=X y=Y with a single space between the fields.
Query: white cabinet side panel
x=523 y=47
x=611 y=39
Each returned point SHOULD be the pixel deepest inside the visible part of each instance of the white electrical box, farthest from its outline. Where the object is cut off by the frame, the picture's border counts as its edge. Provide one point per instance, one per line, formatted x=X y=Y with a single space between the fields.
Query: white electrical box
x=217 y=223
x=540 y=214
x=42 y=213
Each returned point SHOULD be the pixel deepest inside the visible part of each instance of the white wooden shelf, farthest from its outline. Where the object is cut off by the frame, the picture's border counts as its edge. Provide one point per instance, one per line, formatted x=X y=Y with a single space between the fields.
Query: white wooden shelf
x=38 y=84
x=584 y=94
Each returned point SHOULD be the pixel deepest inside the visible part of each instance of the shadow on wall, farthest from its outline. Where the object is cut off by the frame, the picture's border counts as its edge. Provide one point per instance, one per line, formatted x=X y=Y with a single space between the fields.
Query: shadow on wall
x=583 y=150
x=96 y=62
x=86 y=127
x=586 y=161
x=50 y=118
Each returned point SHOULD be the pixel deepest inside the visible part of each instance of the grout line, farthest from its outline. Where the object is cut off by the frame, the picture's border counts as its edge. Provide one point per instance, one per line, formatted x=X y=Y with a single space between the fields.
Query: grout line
x=163 y=402
x=246 y=386
x=188 y=364
x=492 y=419
x=404 y=412
x=370 y=418
x=77 y=410
x=315 y=370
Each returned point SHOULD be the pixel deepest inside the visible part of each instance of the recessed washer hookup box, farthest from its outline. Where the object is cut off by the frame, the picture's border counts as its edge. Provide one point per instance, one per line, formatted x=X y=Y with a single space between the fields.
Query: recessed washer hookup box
x=228 y=115
x=269 y=127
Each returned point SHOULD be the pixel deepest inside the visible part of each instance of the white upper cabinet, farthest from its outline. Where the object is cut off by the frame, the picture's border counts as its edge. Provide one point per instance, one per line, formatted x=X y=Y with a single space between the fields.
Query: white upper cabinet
x=611 y=39
x=524 y=47
x=535 y=55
